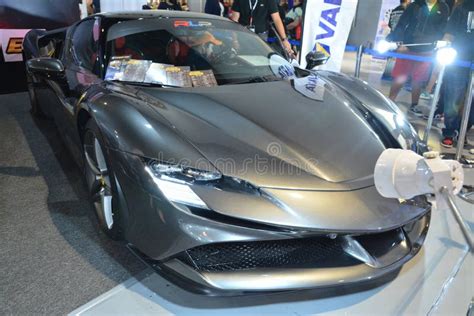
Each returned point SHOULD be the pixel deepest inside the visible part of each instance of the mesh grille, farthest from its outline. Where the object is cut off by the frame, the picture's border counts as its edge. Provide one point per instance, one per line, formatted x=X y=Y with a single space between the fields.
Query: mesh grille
x=289 y=253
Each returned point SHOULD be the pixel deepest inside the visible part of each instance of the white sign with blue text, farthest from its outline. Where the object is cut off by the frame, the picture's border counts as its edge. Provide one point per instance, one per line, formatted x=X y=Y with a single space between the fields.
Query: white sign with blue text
x=327 y=24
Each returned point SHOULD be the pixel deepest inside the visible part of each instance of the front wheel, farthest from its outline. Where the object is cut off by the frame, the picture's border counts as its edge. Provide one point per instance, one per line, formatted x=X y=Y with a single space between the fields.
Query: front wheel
x=100 y=181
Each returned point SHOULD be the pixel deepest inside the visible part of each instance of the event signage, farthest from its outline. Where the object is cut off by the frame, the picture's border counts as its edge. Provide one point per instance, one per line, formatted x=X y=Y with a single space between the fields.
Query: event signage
x=12 y=44
x=327 y=24
x=17 y=17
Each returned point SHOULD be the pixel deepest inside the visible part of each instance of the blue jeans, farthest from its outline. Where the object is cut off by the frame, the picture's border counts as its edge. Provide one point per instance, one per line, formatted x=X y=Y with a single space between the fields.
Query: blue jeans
x=456 y=80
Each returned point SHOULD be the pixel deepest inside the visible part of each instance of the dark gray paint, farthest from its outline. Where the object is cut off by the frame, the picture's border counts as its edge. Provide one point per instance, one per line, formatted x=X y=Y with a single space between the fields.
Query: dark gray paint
x=327 y=147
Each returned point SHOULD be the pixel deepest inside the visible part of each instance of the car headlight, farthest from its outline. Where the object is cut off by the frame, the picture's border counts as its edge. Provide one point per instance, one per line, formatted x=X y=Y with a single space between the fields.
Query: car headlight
x=186 y=174
x=175 y=182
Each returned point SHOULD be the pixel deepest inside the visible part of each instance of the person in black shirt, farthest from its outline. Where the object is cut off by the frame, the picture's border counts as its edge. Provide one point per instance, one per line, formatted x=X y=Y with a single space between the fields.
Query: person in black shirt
x=96 y=5
x=451 y=4
x=214 y=7
x=169 y=5
x=254 y=14
x=397 y=13
x=423 y=21
x=456 y=77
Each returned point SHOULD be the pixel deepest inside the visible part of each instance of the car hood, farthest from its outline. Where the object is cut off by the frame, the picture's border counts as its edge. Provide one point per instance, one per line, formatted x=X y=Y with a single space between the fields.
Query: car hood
x=306 y=134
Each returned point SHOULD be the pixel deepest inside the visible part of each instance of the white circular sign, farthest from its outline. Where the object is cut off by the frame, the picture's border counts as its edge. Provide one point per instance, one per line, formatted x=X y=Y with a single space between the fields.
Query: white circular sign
x=281 y=67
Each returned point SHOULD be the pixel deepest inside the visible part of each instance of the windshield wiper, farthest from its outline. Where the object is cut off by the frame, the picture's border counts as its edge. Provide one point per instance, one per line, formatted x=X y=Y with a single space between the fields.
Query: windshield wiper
x=144 y=84
x=255 y=79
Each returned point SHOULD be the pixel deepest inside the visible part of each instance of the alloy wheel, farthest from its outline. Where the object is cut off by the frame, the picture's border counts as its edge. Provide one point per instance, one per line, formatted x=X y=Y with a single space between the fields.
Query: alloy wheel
x=98 y=179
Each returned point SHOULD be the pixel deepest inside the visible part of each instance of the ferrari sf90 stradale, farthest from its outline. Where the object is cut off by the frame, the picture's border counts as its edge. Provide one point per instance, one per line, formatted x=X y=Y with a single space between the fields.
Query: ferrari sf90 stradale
x=221 y=163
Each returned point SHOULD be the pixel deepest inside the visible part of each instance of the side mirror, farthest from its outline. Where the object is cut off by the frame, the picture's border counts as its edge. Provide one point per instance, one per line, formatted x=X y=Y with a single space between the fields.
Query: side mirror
x=45 y=66
x=314 y=59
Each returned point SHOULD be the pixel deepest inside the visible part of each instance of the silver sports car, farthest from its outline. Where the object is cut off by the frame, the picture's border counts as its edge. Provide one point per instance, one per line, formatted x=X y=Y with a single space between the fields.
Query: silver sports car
x=225 y=166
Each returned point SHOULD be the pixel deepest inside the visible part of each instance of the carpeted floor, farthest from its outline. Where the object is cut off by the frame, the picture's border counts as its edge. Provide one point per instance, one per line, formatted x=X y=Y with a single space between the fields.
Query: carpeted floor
x=53 y=258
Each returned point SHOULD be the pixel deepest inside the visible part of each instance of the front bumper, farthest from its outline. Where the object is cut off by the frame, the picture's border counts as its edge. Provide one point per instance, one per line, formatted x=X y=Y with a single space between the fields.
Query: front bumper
x=230 y=280
x=199 y=251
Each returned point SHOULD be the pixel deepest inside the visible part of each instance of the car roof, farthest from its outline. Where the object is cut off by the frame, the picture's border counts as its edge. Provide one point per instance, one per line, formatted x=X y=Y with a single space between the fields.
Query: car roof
x=145 y=14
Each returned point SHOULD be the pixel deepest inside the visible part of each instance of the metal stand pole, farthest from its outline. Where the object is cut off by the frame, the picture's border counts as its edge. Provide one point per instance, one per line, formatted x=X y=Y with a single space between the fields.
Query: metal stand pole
x=419 y=44
x=465 y=118
x=466 y=193
x=457 y=215
x=434 y=103
x=360 y=52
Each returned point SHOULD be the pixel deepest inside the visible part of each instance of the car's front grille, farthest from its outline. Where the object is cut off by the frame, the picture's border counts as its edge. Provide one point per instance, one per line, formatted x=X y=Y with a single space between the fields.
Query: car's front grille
x=309 y=252
x=288 y=253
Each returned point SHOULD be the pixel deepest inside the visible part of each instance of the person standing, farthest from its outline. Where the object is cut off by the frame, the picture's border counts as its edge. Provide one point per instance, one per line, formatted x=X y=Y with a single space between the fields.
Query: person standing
x=184 y=5
x=457 y=78
x=294 y=17
x=90 y=7
x=254 y=15
x=423 y=21
x=282 y=8
x=96 y=4
x=451 y=4
x=170 y=5
x=294 y=22
x=427 y=94
x=214 y=7
x=397 y=13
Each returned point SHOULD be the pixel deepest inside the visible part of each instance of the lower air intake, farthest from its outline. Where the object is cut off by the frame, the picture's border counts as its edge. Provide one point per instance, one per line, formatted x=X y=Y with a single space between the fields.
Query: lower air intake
x=289 y=253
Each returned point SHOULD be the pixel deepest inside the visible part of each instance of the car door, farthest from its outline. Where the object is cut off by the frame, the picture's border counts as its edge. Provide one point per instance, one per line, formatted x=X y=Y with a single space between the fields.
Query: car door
x=82 y=70
x=47 y=89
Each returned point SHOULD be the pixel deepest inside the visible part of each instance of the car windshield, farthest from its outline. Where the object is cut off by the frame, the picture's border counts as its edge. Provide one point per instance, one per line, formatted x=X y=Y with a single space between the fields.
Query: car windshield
x=190 y=53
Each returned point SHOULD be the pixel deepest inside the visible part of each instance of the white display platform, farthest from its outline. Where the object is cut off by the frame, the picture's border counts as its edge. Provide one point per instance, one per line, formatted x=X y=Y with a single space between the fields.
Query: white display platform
x=438 y=281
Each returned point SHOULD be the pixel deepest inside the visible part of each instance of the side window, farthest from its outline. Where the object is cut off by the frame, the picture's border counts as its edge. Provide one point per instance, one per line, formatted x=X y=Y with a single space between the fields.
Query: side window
x=85 y=44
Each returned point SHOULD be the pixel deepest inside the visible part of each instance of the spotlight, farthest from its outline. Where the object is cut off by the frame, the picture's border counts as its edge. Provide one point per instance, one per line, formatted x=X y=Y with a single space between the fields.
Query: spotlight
x=384 y=46
x=442 y=44
x=446 y=55
x=403 y=174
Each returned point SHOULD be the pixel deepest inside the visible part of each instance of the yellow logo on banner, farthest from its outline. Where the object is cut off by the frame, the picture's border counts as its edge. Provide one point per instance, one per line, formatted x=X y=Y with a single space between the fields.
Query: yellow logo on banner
x=320 y=48
x=15 y=45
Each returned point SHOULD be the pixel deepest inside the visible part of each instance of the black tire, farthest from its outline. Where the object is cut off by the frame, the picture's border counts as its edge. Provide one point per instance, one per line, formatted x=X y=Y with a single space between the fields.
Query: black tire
x=100 y=182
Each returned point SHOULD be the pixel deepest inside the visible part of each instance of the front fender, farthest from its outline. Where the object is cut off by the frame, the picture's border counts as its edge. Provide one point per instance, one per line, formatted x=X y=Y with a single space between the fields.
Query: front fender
x=381 y=107
x=129 y=124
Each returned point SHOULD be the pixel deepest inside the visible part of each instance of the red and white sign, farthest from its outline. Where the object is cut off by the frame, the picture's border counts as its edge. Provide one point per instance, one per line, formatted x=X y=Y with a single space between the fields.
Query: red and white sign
x=12 y=43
